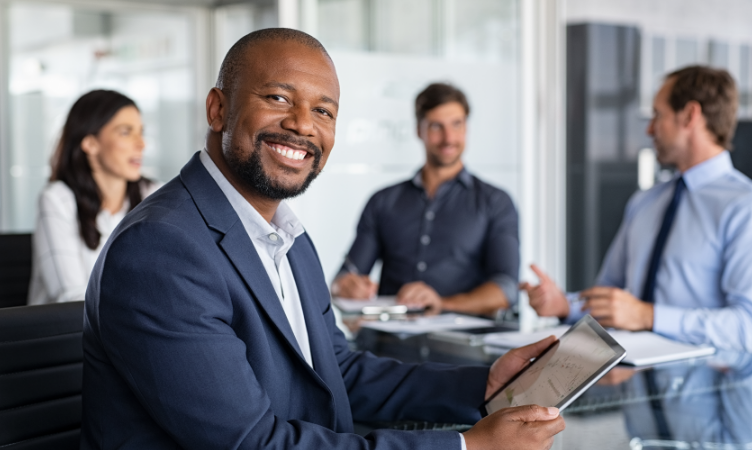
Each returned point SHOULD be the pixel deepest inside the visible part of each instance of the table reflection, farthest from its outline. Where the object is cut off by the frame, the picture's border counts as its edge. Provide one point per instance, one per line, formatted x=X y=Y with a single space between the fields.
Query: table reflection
x=706 y=404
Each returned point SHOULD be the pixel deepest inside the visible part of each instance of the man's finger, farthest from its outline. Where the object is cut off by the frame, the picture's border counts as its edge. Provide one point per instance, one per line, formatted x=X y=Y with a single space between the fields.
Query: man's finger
x=531 y=413
x=597 y=291
x=596 y=303
x=542 y=276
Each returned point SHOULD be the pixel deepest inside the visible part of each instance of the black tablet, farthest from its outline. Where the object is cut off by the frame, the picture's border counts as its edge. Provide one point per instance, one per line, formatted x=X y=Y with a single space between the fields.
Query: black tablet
x=565 y=370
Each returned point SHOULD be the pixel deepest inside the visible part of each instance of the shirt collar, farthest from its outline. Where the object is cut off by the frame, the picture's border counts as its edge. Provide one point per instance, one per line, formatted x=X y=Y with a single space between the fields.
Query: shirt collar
x=707 y=171
x=464 y=177
x=284 y=218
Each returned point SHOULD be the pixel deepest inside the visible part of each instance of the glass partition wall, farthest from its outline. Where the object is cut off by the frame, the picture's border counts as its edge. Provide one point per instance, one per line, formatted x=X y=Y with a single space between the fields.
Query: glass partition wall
x=55 y=52
x=166 y=56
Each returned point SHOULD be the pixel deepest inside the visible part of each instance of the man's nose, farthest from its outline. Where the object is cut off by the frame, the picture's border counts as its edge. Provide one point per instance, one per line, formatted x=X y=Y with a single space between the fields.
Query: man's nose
x=300 y=120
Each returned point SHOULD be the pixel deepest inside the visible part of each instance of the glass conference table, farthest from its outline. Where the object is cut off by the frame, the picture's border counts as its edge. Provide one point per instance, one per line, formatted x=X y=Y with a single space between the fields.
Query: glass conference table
x=703 y=403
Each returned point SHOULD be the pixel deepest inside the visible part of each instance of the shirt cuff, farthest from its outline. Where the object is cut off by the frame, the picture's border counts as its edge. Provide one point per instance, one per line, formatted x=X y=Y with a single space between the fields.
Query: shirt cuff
x=463 y=446
x=667 y=320
x=508 y=285
x=575 y=307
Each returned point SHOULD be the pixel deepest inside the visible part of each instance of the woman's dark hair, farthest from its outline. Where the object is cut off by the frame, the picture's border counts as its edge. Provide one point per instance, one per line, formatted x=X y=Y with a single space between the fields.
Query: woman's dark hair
x=70 y=164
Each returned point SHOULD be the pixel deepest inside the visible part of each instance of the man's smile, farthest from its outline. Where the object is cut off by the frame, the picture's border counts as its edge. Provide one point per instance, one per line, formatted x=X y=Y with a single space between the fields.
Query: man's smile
x=287 y=152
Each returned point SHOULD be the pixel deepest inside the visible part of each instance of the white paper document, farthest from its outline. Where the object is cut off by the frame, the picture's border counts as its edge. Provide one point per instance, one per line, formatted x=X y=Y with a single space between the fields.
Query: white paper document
x=514 y=339
x=356 y=306
x=422 y=325
x=646 y=348
x=643 y=347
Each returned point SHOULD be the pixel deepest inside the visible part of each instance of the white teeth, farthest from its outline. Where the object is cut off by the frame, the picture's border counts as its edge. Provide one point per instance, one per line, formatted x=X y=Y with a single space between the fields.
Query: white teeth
x=290 y=153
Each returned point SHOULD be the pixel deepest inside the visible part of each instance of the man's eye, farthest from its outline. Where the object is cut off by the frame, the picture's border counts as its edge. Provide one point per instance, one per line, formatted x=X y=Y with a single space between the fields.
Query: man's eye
x=277 y=98
x=324 y=112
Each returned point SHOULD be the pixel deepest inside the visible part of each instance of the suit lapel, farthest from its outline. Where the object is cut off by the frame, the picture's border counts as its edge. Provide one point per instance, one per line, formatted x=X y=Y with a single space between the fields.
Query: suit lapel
x=306 y=269
x=220 y=216
x=239 y=248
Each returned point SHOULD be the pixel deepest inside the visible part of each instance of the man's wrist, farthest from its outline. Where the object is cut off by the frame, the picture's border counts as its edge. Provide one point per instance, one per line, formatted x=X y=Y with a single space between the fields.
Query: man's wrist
x=649 y=316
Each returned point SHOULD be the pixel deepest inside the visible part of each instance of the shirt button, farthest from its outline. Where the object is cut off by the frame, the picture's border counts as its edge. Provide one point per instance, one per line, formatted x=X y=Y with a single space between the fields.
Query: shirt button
x=421 y=266
x=430 y=215
x=425 y=239
x=273 y=237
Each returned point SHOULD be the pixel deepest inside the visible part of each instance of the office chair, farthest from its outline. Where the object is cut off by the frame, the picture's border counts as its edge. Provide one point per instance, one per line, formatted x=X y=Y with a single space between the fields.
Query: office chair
x=41 y=363
x=15 y=269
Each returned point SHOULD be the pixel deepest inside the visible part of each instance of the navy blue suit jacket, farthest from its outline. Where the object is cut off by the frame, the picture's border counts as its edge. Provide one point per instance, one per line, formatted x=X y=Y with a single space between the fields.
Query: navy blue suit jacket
x=186 y=345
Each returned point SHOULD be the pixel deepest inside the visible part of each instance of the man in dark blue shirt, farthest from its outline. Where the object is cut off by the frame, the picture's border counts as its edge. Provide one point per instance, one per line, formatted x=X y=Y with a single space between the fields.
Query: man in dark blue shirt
x=447 y=240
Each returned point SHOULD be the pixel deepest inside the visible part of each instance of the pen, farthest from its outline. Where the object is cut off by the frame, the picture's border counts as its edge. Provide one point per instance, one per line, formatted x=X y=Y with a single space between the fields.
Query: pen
x=351 y=267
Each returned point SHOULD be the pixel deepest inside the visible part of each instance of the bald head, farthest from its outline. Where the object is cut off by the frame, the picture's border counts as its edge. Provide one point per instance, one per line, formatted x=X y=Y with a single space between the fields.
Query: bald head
x=237 y=55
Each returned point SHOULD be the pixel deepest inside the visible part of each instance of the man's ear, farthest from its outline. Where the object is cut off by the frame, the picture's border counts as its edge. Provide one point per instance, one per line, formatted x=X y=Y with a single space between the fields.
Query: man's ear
x=90 y=145
x=216 y=110
x=693 y=114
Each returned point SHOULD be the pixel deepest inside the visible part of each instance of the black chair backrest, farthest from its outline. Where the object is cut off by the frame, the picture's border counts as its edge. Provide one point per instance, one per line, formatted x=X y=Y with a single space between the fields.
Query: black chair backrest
x=15 y=269
x=41 y=369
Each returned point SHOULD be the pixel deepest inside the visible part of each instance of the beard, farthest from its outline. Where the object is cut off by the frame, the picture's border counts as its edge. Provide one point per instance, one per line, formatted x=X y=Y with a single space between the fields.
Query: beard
x=251 y=170
x=437 y=161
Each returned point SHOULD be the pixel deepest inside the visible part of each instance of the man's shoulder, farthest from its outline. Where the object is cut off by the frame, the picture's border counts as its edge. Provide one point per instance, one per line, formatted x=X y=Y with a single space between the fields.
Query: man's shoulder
x=166 y=203
x=489 y=190
x=735 y=183
x=169 y=209
x=386 y=196
x=393 y=189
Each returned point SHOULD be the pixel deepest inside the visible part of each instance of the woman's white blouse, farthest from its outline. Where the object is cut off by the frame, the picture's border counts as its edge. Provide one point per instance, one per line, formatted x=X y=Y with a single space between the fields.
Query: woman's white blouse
x=61 y=261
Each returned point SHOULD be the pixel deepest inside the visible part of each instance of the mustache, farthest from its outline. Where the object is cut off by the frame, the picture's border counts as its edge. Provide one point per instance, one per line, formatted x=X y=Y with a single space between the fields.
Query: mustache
x=284 y=138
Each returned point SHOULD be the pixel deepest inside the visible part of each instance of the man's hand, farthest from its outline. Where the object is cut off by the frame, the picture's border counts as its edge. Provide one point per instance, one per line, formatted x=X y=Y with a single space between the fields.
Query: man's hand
x=528 y=427
x=617 y=308
x=546 y=298
x=358 y=287
x=509 y=364
x=420 y=295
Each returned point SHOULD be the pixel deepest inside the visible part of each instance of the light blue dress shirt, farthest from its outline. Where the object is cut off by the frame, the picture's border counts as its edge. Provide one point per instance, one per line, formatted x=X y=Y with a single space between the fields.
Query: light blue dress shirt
x=703 y=289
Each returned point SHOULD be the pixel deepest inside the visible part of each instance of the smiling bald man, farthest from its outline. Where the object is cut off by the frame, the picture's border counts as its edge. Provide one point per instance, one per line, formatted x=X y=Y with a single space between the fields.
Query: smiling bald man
x=208 y=321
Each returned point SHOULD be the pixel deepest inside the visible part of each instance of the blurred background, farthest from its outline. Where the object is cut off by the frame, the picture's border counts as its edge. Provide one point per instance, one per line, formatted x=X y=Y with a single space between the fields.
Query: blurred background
x=560 y=90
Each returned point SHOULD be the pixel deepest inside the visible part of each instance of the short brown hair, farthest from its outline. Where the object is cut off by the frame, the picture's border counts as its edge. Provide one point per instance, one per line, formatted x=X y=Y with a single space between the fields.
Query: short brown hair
x=715 y=91
x=437 y=94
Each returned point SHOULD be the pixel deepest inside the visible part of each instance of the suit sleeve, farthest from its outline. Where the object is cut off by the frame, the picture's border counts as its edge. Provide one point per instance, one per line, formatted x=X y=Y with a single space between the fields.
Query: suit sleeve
x=168 y=333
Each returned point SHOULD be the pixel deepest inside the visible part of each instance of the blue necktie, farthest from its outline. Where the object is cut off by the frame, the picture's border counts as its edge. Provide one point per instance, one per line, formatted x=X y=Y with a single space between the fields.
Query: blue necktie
x=648 y=289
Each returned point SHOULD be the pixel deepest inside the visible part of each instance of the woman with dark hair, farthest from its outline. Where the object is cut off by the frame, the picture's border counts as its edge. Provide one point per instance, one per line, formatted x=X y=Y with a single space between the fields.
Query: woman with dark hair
x=96 y=179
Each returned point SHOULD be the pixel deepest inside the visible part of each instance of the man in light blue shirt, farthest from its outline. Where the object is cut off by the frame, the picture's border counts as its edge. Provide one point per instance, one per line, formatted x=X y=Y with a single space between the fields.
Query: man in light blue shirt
x=701 y=286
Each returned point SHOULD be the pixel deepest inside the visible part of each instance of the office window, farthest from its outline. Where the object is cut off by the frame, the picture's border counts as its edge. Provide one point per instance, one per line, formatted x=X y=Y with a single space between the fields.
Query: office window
x=745 y=81
x=718 y=54
x=686 y=52
x=56 y=52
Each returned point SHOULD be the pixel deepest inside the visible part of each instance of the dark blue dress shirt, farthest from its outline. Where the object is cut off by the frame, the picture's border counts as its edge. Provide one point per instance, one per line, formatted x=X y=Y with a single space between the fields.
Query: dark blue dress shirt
x=465 y=236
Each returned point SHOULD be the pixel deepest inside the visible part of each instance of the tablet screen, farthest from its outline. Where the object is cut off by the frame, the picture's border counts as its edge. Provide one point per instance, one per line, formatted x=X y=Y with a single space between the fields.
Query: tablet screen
x=564 y=371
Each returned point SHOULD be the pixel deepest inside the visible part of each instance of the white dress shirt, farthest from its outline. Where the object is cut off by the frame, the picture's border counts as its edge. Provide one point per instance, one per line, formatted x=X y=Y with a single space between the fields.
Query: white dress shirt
x=272 y=241
x=61 y=261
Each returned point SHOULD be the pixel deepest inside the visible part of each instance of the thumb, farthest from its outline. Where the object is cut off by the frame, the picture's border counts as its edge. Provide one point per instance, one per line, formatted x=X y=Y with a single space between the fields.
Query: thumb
x=532 y=413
